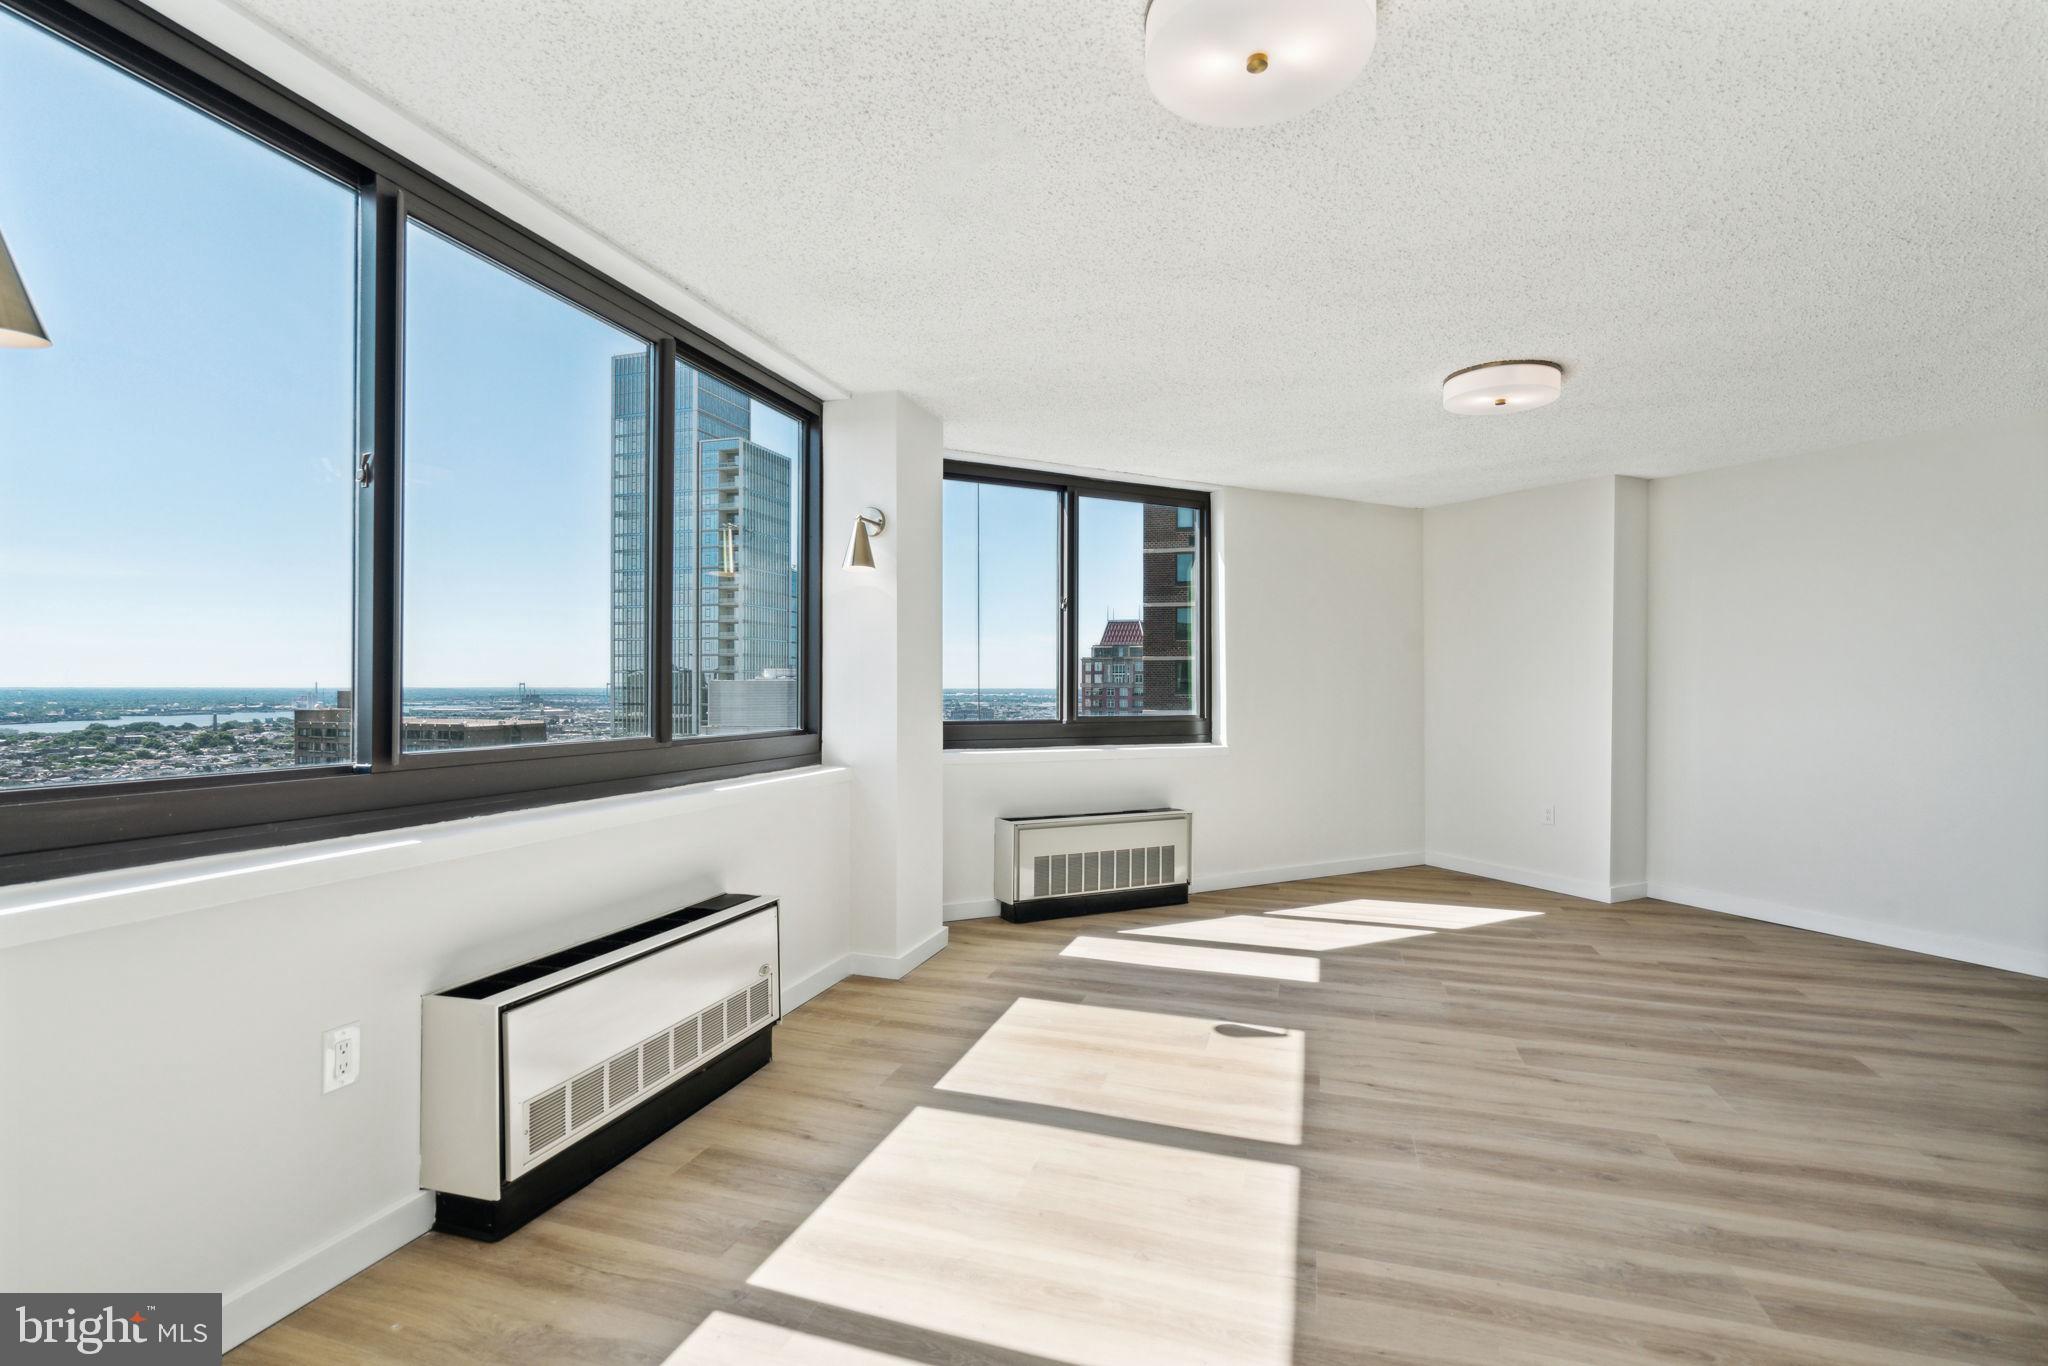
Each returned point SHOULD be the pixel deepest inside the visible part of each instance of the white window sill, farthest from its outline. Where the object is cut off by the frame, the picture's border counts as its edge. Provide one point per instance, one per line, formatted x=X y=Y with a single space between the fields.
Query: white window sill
x=1068 y=754
x=35 y=911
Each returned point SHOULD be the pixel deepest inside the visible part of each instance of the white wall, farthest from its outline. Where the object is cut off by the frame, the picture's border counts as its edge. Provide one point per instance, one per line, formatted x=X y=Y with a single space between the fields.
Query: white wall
x=882 y=654
x=1319 y=766
x=165 y=1125
x=1628 y=816
x=1520 y=613
x=1849 y=692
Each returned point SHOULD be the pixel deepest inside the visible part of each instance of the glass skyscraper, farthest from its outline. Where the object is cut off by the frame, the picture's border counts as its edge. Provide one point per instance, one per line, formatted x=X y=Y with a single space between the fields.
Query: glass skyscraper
x=735 y=624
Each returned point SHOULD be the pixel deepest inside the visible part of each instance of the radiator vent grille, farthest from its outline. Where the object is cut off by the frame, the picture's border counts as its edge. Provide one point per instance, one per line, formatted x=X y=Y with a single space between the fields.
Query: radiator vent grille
x=547 y=1119
x=711 y=1024
x=654 y=1059
x=624 y=1081
x=586 y=1098
x=1103 y=870
x=555 y=1114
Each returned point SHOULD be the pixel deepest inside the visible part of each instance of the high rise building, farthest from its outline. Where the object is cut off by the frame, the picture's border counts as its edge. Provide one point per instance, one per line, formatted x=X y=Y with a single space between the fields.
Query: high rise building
x=1170 y=584
x=1148 y=665
x=632 y=479
x=1113 y=674
x=734 y=610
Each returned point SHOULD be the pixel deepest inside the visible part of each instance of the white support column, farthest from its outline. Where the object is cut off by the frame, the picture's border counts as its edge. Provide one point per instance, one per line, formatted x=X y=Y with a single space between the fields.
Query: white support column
x=882 y=701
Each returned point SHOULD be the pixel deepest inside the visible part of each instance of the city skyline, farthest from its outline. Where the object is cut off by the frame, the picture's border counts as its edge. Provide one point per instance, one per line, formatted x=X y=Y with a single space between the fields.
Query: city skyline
x=229 y=561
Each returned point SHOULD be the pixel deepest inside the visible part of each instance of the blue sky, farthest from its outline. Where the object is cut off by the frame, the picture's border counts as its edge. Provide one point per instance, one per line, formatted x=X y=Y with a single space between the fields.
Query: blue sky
x=1002 y=581
x=176 y=505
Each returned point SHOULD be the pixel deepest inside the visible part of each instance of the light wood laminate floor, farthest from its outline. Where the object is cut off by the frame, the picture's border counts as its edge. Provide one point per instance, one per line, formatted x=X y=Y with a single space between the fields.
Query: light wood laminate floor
x=1592 y=1135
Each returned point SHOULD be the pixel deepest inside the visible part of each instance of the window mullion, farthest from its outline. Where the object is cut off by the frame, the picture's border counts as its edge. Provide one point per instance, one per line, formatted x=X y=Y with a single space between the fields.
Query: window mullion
x=661 y=608
x=1070 y=606
x=380 y=375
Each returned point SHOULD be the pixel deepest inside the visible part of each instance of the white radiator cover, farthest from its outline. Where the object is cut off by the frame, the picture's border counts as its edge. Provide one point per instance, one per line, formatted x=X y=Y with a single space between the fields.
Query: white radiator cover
x=1055 y=856
x=510 y=1078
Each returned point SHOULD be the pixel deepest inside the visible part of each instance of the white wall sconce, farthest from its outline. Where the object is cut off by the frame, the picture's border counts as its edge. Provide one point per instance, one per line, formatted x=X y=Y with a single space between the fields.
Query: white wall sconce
x=860 y=554
x=19 y=325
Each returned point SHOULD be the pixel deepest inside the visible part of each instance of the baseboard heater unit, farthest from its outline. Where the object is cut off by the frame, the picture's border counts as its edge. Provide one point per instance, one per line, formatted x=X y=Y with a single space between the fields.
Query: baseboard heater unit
x=537 y=1079
x=1052 y=866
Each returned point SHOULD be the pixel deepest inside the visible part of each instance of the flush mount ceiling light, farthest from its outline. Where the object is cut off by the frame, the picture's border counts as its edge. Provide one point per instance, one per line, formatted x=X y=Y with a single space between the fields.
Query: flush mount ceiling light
x=1503 y=386
x=1239 y=63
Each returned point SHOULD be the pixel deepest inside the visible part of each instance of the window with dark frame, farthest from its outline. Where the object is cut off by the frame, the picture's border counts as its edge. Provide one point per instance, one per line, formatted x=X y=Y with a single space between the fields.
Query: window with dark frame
x=415 y=517
x=1076 y=611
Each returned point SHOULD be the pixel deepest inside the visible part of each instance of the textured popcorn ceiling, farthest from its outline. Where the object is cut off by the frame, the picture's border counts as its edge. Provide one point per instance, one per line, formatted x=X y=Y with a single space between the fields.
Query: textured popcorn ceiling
x=1746 y=229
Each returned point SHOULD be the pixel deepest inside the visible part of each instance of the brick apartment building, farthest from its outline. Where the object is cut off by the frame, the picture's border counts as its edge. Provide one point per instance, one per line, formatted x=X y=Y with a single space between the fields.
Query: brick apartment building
x=1148 y=665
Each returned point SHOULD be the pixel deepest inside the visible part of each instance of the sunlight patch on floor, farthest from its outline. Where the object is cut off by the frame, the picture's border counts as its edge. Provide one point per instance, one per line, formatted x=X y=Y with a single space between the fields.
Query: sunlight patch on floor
x=1406 y=913
x=728 y=1340
x=1216 y=1076
x=1281 y=967
x=1277 y=933
x=1076 y=1247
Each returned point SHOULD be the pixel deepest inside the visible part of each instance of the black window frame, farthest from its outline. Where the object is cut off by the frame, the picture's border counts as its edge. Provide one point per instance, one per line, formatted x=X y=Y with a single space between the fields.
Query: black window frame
x=57 y=831
x=1070 y=728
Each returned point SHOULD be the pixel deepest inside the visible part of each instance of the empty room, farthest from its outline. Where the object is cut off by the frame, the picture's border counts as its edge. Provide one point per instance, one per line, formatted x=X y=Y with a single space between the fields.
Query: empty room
x=966 y=683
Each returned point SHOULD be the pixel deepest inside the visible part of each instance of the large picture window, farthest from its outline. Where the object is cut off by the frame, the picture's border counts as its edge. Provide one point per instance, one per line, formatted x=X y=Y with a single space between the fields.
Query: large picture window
x=339 y=503
x=526 y=510
x=175 y=494
x=1075 y=611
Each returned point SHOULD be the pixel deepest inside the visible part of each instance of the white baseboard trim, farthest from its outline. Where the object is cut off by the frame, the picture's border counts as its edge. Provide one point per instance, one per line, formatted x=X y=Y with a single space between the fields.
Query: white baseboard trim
x=882 y=965
x=1962 y=948
x=253 y=1308
x=804 y=988
x=1628 y=891
x=1300 y=872
x=1527 y=877
x=972 y=910
x=985 y=907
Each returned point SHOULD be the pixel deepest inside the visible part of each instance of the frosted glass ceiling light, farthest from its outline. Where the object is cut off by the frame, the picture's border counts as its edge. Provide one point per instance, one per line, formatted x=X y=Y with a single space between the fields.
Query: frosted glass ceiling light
x=1239 y=63
x=19 y=325
x=1502 y=386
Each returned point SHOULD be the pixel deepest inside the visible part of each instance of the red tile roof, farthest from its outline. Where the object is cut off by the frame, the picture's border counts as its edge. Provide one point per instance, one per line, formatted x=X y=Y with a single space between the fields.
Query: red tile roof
x=1123 y=633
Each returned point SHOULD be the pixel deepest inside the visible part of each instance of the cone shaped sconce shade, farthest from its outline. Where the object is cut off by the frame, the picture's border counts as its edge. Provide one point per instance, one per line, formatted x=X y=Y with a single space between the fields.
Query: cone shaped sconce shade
x=19 y=326
x=860 y=554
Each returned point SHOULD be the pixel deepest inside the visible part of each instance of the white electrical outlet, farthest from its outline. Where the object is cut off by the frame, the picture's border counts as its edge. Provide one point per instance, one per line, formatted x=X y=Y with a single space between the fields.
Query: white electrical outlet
x=1550 y=815
x=341 y=1057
